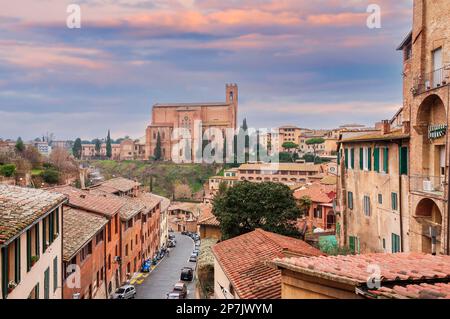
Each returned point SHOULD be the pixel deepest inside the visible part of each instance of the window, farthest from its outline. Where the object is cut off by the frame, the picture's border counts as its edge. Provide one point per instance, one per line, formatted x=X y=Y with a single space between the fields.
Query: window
x=366 y=205
x=376 y=159
x=395 y=243
x=380 y=199
x=350 y=200
x=47 y=283
x=116 y=223
x=403 y=158
x=55 y=274
x=34 y=294
x=386 y=160
x=99 y=238
x=318 y=212
x=126 y=250
x=354 y=244
x=394 y=201
x=352 y=158
x=109 y=231
x=365 y=160
x=346 y=158
x=109 y=261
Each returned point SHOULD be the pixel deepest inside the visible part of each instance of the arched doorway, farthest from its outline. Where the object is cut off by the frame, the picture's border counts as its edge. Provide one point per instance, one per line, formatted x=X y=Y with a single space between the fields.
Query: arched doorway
x=429 y=217
x=331 y=219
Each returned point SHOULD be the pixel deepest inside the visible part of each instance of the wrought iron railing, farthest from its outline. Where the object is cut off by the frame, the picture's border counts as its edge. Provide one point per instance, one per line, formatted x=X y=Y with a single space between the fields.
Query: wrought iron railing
x=432 y=80
x=433 y=185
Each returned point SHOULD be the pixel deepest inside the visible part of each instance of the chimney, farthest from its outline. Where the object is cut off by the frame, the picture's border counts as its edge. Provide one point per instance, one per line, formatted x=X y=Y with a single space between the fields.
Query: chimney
x=385 y=127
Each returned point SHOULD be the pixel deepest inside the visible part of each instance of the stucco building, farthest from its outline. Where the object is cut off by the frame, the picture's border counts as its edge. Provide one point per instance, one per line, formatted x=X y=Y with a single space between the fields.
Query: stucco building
x=169 y=116
x=30 y=243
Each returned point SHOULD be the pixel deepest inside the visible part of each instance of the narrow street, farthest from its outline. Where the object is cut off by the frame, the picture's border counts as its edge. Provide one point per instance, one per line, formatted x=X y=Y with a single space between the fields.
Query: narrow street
x=167 y=274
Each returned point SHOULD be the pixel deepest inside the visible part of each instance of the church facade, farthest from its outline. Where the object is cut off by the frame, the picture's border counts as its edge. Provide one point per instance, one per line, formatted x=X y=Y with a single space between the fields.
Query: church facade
x=168 y=117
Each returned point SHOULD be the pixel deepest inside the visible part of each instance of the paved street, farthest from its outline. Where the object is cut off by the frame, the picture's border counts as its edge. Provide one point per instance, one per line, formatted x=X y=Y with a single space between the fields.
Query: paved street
x=162 y=279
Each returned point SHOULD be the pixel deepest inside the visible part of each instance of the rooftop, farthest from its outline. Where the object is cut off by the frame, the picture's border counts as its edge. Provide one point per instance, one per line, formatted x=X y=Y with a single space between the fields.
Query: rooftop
x=422 y=291
x=352 y=269
x=243 y=260
x=79 y=228
x=131 y=205
x=119 y=184
x=281 y=167
x=89 y=201
x=149 y=200
x=376 y=136
x=190 y=104
x=207 y=217
x=21 y=207
x=317 y=192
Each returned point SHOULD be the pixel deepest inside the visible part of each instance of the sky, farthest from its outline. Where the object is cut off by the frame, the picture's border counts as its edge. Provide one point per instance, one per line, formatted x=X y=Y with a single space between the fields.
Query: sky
x=308 y=63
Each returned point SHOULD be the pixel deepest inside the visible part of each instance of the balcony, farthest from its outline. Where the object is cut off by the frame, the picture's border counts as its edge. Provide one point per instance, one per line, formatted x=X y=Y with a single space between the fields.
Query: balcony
x=432 y=185
x=432 y=80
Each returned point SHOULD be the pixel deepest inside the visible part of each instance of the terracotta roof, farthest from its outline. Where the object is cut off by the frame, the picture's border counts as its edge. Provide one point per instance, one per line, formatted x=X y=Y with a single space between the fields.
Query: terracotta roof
x=79 y=227
x=243 y=260
x=191 y=104
x=193 y=208
x=353 y=268
x=376 y=136
x=207 y=217
x=130 y=206
x=89 y=201
x=120 y=184
x=149 y=200
x=318 y=193
x=422 y=291
x=282 y=167
x=21 y=207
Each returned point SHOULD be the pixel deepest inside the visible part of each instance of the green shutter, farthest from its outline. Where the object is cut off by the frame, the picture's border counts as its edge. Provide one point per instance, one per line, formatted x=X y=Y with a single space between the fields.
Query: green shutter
x=339 y=157
x=57 y=220
x=28 y=249
x=369 y=159
x=376 y=159
x=352 y=244
x=361 y=158
x=403 y=157
x=346 y=158
x=5 y=274
x=37 y=241
x=47 y=283
x=394 y=201
x=352 y=158
x=395 y=243
x=50 y=228
x=17 y=260
x=55 y=274
x=44 y=235
x=386 y=160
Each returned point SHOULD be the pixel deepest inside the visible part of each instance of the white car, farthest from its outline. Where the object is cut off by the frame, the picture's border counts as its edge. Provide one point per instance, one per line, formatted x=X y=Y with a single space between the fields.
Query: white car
x=125 y=292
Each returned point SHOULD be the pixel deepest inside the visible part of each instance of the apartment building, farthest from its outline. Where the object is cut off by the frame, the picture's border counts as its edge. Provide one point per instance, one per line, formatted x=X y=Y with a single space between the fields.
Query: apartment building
x=373 y=185
x=30 y=243
x=128 y=149
x=84 y=259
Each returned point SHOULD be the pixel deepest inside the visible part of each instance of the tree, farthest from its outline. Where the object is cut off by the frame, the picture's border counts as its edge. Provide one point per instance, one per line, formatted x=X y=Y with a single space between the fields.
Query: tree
x=77 y=148
x=20 y=146
x=304 y=204
x=247 y=206
x=61 y=160
x=289 y=146
x=50 y=176
x=314 y=142
x=98 y=146
x=32 y=154
x=108 y=146
x=158 y=152
x=7 y=170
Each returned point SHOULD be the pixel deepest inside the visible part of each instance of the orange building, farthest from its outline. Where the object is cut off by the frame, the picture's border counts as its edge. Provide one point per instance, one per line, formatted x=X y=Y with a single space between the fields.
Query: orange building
x=170 y=116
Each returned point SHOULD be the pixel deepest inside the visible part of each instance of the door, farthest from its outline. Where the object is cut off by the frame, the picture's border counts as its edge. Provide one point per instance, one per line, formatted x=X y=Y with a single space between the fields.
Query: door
x=437 y=67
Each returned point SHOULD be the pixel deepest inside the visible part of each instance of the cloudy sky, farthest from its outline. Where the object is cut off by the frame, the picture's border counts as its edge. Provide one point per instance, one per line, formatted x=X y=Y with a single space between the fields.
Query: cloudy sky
x=309 y=63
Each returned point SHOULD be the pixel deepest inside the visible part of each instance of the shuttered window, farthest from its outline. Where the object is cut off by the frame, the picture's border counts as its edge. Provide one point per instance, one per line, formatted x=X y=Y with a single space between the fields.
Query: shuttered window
x=366 y=204
x=55 y=274
x=394 y=201
x=47 y=284
x=352 y=158
x=361 y=158
x=386 y=160
x=28 y=249
x=376 y=160
x=395 y=243
x=369 y=158
x=346 y=158
x=403 y=158
x=5 y=272
x=44 y=233
x=17 y=260
x=350 y=200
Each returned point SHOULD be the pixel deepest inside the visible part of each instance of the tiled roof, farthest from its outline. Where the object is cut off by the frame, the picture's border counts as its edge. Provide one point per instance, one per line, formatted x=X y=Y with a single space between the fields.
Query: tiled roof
x=376 y=136
x=149 y=200
x=353 y=269
x=20 y=207
x=243 y=260
x=89 y=201
x=282 y=167
x=130 y=206
x=207 y=217
x=318 y=193
x=193 y=208
x=119 y=184
x=165 y=202
x=422 y=291
x=79 y=227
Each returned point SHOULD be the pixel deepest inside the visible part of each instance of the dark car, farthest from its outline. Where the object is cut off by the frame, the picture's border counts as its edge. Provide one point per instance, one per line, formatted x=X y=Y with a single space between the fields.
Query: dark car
x=171 y=244
x=180 y=288
x=184 y=233
x=187 y=274
x=171 y=236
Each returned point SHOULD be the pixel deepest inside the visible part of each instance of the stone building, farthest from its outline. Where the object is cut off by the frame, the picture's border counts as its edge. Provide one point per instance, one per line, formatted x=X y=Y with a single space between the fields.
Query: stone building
x=30 y=243
x=169 y=116
x=426 y=53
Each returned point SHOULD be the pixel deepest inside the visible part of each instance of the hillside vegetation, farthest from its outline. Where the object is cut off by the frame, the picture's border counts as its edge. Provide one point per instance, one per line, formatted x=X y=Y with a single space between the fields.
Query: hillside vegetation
x=167 y=177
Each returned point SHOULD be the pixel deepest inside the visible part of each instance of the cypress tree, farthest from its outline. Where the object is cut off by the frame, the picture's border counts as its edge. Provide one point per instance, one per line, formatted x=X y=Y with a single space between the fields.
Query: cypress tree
x=158 y=152
x=108 y=146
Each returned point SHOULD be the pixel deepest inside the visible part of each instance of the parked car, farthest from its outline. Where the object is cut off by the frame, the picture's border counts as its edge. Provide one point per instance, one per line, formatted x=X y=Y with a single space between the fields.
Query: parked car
x=187 y=274
x=146 y=266
x=175 y=295
x=171 y=236
x=181 y=288
x=184 y=233
x=193 y=258
x=171 y=244
x=125 y=292
x=196 y=252
x=170 y=230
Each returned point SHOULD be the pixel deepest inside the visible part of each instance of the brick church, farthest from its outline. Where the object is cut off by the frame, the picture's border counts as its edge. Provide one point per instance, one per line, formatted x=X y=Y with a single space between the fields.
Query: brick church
x=167 y=117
